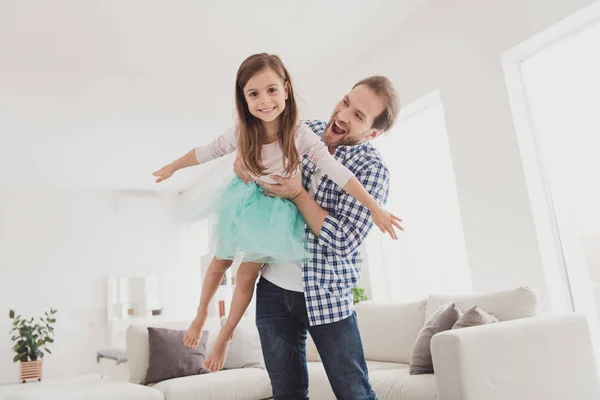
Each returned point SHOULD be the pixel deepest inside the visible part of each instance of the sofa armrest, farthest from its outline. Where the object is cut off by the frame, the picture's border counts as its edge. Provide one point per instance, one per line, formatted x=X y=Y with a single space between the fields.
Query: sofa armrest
x=545 y=357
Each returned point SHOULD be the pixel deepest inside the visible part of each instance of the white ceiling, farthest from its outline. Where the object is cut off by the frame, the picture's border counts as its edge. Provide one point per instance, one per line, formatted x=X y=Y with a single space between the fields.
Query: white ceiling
x=98 y=94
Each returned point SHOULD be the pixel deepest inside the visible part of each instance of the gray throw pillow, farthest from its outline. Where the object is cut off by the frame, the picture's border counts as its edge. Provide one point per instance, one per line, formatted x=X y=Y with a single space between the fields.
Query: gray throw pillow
x=474 y=316
x=170 y=358
x=443 y=319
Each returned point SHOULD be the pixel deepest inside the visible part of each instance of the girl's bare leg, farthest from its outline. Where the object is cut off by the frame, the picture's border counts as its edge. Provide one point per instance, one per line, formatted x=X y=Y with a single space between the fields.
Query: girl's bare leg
x=212 y=280
x=244 y=290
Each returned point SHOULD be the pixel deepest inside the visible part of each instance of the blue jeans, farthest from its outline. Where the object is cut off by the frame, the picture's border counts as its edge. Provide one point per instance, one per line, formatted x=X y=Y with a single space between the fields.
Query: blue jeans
x=282 y=322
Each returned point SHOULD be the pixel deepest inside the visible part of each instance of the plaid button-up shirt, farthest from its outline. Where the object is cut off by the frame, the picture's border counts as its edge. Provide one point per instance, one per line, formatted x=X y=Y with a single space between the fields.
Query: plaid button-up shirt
x=334 y=263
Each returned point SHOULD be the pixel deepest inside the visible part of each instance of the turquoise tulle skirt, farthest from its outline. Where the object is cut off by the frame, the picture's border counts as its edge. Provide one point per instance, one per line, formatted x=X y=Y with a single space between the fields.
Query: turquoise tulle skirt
x=263 y=228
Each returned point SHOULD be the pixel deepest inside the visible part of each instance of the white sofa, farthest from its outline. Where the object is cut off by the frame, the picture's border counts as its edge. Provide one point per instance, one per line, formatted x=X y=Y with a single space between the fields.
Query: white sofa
x=546 y=357
x=524 y=357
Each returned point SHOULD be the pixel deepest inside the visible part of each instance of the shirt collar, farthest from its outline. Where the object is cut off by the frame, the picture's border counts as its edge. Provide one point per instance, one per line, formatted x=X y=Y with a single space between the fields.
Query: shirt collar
x=341 y=152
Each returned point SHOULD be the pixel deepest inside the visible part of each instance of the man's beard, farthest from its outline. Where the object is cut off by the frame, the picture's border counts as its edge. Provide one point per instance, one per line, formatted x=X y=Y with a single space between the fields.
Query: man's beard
x=344 y=140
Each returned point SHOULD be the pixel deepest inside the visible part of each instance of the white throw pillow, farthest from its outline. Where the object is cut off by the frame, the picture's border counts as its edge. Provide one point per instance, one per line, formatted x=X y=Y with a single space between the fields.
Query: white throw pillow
x=389 y=330
x=244 y=348
x=505 y=305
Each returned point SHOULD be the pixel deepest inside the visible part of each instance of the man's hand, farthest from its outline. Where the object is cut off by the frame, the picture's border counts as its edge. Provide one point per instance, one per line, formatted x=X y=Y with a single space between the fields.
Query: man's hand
x=241 y=171
x=287 y=188
x=164 y=173
x=292 y=189
x=386 y=222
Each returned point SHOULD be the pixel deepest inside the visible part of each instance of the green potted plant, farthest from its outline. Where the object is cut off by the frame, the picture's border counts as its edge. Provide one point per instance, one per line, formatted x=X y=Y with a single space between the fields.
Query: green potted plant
x=359 y=294
x=31 y=342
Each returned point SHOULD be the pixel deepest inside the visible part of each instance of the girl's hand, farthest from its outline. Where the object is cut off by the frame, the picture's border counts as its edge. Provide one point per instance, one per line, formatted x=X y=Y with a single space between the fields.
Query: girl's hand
x=164 y=173
x=286 y=188
x=241 y=171
x=386 y=222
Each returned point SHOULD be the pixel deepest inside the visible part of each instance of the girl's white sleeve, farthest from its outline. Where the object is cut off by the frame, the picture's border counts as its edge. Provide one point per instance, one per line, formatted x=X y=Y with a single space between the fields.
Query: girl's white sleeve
x=225 y=144
x=307 y=142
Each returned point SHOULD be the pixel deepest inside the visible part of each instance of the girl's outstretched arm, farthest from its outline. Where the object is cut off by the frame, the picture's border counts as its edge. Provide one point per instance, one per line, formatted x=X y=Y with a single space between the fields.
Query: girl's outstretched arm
x=225 y=144
x=187 y=160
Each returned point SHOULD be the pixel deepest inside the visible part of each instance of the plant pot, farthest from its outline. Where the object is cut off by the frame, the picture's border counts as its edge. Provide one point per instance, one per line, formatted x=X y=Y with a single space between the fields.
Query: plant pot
x=30 y=370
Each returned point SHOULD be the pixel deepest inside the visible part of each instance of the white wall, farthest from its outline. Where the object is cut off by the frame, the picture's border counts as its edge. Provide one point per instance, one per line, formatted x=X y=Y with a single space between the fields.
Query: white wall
x=56 y=248
x=456 y=47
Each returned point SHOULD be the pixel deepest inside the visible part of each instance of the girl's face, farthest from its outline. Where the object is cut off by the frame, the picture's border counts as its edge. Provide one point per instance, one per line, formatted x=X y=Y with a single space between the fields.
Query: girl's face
x=265 y=95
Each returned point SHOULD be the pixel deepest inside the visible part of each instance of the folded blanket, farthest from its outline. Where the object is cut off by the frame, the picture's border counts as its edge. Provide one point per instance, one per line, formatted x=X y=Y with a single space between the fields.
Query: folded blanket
x=117 y=354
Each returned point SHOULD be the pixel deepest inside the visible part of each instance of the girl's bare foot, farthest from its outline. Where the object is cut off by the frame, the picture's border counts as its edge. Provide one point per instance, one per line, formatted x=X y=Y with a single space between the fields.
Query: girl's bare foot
x=216 y=359
x=192 y=335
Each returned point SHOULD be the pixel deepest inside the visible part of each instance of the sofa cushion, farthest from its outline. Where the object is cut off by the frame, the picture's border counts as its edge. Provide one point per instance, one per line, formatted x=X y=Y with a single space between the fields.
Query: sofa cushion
x=474 y=316
x=504 y=305
x=138 y=352
x=93 y=390
x=390 y=381
x=318 y=383
x=442 y=320
x=234 y=384
x=170 y=358
x=393 y=384
x=244 y=348
x=389 y=330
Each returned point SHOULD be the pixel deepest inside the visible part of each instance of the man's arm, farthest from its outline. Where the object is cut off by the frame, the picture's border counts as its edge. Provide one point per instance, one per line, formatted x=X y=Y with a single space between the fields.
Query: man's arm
x=311 y=211
x=309 y=145
x=291 y=188
x=344 y=230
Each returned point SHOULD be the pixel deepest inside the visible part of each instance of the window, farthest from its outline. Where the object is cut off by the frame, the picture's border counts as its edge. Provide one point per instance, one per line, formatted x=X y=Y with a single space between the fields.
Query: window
x=554 y=89
x=430 y=256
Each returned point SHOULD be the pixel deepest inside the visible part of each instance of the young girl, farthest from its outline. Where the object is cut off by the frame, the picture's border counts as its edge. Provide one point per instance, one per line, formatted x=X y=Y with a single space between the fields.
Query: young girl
x=269 y=141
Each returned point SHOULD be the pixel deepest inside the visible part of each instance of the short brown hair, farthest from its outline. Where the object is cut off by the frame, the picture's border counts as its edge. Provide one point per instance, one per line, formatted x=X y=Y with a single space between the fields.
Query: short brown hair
x=383 y=88
x=251 y=128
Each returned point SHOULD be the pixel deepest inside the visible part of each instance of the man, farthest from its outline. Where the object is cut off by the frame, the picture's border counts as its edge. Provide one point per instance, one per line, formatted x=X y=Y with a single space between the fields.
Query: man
x=316 y=296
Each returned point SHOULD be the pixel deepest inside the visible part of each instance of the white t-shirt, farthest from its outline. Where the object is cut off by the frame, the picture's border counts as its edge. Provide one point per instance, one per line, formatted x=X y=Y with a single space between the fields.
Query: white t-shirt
x=289 y=275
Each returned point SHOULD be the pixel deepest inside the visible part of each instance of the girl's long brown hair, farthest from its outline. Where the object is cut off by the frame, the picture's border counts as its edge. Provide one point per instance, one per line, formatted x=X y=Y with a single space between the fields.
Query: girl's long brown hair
x=251 y=128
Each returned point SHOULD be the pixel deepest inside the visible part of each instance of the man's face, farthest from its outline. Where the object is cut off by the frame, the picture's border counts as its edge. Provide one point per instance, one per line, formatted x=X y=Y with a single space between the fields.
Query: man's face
x=352 y=118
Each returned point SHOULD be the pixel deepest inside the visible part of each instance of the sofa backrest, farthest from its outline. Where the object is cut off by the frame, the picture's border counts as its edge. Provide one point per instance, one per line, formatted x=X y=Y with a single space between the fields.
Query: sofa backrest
x=389 y=330
x=505 y=305
x=138 y=352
